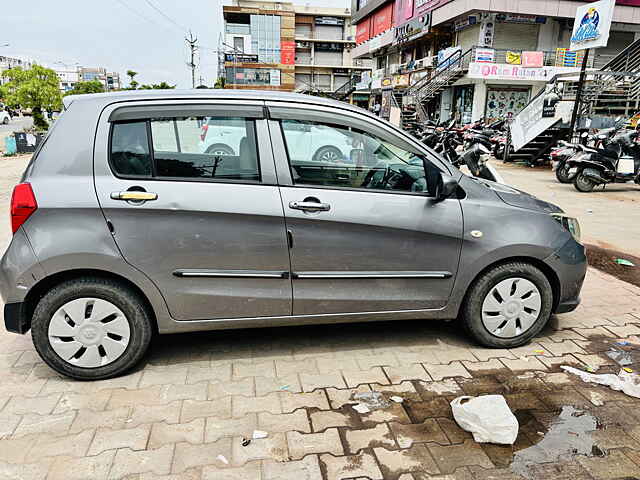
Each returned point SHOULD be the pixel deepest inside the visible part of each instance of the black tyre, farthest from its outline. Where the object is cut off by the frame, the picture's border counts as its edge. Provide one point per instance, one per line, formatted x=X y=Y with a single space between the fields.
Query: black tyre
x=6 y=121
x=508 y=305
x=582 y=183
x=328 y=154
x=562 y=173
x=91 y=328
x=220 y=149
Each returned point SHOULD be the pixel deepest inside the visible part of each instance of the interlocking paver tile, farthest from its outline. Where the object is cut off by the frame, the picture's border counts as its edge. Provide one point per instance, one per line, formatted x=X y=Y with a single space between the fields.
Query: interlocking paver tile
x=257 y=369
x=301 y=444
x=414 y=459
x=109 y=439
x=311 y=381
x=413 y=371
x=220 y=407
x=245 y=387
x=77 y=401
x=291 y=367
x=483 y=367
x=8 y=423
x=69 y=468
x=169 y=413
x=367 y=362
x=55 y=424
x=453 y=353
x=625 y=330
x=395 y=412
x=554 y=363
x=427 y=431
x=273 y=447
x=334 y=365
x=557 y=349
x=284 y=422
x=293 y=401
x=265 y=385
x=164 y=433
x=451 y=457
x=596 y=331
x=84 y=419
x=15 y=450
x=241 y=405
x=341 y=397
x=378 y=436
x=351 y=466
x=40 y=405
x=217 y=428
x=187 y=456
x=523 y=364
x=306 y=469
x=454 y=369
x=484 y=354
x=327 y=419
x=249 y=471
x=358 y=377
x=448 y=386
x=129 y=462
x=163 y=376
x=614 y=465
x=215 y=373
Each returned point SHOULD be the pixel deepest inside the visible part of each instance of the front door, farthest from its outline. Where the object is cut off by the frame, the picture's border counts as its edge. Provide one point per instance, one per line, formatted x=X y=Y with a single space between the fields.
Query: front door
x=366 y=236
x=206 y=226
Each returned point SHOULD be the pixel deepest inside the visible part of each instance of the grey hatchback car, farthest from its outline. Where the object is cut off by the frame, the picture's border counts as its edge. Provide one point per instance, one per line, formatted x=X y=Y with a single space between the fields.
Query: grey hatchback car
x=124 y=227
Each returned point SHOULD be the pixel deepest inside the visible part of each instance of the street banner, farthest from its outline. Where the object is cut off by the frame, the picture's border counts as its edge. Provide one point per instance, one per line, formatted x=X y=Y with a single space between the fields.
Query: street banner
x=513 y=58
x=532 y=59
x=592 y=24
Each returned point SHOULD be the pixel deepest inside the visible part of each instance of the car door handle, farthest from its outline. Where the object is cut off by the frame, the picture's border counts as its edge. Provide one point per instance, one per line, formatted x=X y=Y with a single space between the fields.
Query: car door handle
x=134 y=196
x=310 y=206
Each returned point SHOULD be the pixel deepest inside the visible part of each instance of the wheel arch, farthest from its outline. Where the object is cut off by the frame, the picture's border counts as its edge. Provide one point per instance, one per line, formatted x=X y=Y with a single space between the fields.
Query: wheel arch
x=40 y=289
x=548 y=272
x=211 y=147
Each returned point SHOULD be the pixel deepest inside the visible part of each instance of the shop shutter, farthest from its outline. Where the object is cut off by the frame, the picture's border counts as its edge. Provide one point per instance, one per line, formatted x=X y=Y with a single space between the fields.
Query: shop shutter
x=515 y=36
x=468 y=37
x=340 y=80
x=303 y=80
x=328 y=58
x=303 y=30
x=329 y=32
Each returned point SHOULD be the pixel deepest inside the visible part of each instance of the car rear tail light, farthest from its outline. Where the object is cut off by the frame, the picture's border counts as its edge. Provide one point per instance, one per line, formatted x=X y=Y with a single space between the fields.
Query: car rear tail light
x=23 y=204
x=203 y=133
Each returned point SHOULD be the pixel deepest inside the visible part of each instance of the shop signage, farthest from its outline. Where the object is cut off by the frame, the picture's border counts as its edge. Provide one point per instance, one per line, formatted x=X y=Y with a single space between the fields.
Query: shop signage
x=532 y=59
x=424 y=6
x=504 y=71
x=591 y=25
x=401 y=81
x=414 y=28
x=565 y=58
x=365 y=81
x=287 y=52
x=236 y=57
x=487 y=29
x=387 y=82
x=329 y=21
x=464 y=22
x=385 y=109
x=382 y=20
x=274 y=77
x=519 y=18
x=363 y=31
x=485 y=55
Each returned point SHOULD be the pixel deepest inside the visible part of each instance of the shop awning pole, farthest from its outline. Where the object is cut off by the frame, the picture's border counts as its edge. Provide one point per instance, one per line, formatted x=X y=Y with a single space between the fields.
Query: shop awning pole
x=576 y=105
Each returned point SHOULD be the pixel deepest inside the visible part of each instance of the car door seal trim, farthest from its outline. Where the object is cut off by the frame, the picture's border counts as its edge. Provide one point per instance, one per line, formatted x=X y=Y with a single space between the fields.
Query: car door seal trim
x=371 y=274
x=190 y=273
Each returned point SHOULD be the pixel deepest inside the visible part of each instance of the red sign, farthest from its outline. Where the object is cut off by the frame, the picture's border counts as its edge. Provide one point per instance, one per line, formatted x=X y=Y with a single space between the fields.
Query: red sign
x=424 y=6
x=408 y=9
x=287 y=52
x=532 y=59
x=382 y=20
x=363 y=31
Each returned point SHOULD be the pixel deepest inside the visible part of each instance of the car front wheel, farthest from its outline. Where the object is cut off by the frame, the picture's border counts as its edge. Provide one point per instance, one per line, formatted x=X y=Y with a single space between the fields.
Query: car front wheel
x=508 y=305
x=91 y=328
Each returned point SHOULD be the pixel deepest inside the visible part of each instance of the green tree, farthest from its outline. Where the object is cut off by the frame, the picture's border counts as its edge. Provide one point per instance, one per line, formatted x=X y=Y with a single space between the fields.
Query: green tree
x=80 y=88
x=220 y=82
x=157 y=86
x=37 y=88
x=133 y=84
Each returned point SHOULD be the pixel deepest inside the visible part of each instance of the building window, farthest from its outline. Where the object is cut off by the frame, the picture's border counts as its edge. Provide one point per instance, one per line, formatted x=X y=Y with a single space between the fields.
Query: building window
x=238 y=44
x=252 y=76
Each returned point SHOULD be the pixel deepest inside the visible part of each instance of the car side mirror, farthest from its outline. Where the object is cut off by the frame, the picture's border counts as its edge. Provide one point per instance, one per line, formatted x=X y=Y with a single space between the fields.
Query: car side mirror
x=439 y=185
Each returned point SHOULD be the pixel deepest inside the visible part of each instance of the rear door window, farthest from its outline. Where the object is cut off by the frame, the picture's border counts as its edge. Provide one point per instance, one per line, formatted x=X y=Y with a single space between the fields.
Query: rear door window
x=130 y=150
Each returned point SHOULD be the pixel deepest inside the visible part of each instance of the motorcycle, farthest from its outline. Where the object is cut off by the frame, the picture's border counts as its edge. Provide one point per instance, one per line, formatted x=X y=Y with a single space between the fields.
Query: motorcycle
x=618 y=162
x=476 y=159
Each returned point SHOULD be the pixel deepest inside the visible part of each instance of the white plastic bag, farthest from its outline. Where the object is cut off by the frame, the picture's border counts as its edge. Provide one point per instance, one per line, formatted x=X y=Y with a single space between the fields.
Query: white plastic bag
x=487 y=417
x=625 y=382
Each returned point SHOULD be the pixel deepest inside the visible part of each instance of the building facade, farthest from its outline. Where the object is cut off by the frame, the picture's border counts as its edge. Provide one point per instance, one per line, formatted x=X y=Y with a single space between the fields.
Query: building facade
x=12 y=62
x=279 y=46
x=110 y=80
x=509 y=49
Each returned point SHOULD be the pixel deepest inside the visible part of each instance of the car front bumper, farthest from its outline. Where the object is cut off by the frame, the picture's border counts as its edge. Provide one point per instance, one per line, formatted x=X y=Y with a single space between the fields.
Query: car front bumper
x=570 y=265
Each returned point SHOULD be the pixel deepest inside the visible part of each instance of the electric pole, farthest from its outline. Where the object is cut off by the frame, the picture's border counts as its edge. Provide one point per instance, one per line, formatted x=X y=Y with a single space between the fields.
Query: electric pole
x=193 y=47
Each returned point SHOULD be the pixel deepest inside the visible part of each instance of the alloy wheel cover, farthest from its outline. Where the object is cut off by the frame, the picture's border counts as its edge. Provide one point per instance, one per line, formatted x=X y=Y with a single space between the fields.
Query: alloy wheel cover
x=511 y=307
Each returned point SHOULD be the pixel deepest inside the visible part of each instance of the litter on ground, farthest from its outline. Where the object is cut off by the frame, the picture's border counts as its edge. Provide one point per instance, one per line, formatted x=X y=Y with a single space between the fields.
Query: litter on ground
x=223 y=459
x=625 y=262
x=373 y=400
x=626 y=382
x=621 y=357
x=259 y=434
x=487 y=417
x=361 y=408
x=396 y=399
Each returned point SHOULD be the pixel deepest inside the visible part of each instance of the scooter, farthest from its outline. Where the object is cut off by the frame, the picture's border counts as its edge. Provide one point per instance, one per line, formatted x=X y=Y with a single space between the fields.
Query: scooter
x=476 y=159
x=618 y=162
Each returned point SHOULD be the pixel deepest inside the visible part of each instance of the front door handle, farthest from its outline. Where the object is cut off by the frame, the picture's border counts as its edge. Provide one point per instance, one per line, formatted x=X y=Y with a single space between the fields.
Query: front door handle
x=134 y=196
x=310 y=206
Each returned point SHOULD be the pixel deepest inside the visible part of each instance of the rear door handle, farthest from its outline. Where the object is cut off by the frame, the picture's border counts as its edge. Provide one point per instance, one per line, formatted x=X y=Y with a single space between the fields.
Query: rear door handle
x=310 y=206
x=134 y=196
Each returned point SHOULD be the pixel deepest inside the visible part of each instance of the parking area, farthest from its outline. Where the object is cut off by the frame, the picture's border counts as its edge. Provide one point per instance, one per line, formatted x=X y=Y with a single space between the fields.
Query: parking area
x=191 y=409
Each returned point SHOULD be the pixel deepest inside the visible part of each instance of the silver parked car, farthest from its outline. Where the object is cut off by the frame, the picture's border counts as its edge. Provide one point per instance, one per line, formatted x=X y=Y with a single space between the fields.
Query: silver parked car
x=123 y=226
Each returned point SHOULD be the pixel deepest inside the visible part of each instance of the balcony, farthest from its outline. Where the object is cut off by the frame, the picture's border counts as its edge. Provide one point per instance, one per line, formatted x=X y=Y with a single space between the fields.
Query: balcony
x=319 y=38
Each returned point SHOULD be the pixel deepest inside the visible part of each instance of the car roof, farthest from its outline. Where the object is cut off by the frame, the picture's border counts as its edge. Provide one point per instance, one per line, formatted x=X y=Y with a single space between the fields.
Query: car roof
x=103 y=99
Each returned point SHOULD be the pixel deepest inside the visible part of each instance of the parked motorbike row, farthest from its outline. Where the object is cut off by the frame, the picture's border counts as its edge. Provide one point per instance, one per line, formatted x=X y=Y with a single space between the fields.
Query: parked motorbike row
x=470 y=145
x=610 y=155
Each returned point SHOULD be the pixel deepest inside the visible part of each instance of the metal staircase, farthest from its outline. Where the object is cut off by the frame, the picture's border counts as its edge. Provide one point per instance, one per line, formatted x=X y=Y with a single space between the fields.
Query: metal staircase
x=342 y=93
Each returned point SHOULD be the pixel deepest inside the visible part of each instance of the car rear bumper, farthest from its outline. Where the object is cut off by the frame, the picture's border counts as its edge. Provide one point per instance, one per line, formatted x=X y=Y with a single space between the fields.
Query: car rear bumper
x=570 y=265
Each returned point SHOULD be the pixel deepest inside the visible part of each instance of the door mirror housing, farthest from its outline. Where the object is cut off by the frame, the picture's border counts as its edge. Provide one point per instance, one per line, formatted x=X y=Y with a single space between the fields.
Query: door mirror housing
x=439 y=185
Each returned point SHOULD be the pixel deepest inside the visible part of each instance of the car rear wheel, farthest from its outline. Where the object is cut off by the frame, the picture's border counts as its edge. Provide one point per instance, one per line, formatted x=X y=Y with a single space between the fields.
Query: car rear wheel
x=328 y=154
x=91 y=328
x=508 y=305
x=220 y=149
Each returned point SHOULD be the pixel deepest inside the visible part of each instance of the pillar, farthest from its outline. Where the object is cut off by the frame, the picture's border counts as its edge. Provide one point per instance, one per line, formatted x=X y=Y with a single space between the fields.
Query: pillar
x=479 y=100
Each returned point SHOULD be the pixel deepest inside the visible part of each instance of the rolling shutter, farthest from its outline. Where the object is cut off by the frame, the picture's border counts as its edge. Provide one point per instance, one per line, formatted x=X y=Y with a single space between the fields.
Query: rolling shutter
x=515 y=36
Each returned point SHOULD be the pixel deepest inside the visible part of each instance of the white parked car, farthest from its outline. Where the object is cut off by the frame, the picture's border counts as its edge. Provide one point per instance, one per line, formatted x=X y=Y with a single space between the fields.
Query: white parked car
x=223 y=136
x=5 y=118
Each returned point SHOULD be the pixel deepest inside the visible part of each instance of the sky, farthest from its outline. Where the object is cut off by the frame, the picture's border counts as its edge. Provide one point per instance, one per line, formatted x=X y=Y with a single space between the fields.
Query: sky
x=146 y=36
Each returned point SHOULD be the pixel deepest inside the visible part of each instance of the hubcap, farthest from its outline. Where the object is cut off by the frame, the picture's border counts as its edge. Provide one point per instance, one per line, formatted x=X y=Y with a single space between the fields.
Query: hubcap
x=89 y=332
x=330 y=156
x=511 y=307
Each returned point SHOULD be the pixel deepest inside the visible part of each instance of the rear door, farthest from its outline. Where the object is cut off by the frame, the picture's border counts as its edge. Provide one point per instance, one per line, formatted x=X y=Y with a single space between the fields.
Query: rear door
x=366 y=234
x=207 y=228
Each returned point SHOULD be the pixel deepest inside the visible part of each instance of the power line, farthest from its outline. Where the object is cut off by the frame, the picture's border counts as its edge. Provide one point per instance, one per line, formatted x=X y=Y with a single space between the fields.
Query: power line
x=184 y=29
x=132 y=10
x=193 y=47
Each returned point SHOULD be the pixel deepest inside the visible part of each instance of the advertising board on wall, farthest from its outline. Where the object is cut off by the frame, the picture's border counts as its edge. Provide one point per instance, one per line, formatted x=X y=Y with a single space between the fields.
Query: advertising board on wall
x=414 y=28
x=287 y=52
x=504 y=71
x=591 y=25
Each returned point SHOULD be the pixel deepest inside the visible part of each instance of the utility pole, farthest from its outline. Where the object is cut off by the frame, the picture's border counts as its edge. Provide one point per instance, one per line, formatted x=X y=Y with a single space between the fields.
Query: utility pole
x=576 y=106
x=193 y=47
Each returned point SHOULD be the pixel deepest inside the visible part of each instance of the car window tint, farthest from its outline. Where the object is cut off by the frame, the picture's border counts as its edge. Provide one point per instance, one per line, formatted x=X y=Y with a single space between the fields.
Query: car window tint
x=339 y=156
x=130 y=149
x=205 y=147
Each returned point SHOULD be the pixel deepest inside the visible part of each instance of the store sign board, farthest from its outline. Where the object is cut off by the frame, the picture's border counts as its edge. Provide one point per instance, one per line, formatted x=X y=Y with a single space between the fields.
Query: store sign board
x=274 y=77
x=533 y=59
x=329 y=21
x=504 y=71
x=232 y=57
x=287 y=52
x=414 y=28
x=382 y=20
x=591 y=25
x=401 y=81
x=363 y=31
x=425 y=6
x=464 y=22
x=485 y=55
x=520 y=18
